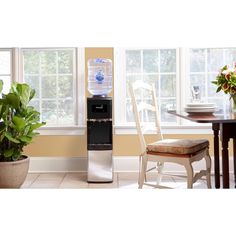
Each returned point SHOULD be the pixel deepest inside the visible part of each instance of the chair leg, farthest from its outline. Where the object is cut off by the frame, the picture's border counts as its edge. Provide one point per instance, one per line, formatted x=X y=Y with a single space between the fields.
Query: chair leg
x=208 y=169
x=189 y=169
x=143 y=172
x=160 y=167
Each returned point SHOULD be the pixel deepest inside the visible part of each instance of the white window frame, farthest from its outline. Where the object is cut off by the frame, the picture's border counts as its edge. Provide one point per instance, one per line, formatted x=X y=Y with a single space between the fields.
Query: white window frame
x=11 y=63
x=121 y=127
x=80 y=126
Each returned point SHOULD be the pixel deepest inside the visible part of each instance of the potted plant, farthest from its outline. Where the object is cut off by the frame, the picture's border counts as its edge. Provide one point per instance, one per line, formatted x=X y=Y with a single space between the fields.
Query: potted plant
x=18 y=124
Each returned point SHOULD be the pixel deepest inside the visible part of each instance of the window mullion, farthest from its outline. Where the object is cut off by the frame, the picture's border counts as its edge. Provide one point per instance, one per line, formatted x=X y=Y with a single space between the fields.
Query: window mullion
x=159 y=82
x=180 y=74
x=40 y=86
x=57 y=88
x=142 y=77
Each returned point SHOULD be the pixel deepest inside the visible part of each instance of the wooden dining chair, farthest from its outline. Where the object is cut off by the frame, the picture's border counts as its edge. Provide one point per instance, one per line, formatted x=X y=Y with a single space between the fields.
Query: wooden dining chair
x=179 y=151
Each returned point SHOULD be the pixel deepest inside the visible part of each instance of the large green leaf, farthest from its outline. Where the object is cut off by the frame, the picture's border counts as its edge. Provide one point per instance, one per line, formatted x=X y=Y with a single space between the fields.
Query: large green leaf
x=32 y=93
x=16 y=155
x=10 y=138
x=32 y=116
x=8 y=152
x=24 y=92
x=37 y=125
x=13 y=100
x=25 y=139
x=2 y=136
x=18 y=122
x=218 y=89
x=2 y=126
x=33 y=134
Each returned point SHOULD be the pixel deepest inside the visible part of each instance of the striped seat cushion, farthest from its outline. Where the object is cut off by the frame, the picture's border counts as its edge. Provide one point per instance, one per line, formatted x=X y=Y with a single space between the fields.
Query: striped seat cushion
x=178 y=146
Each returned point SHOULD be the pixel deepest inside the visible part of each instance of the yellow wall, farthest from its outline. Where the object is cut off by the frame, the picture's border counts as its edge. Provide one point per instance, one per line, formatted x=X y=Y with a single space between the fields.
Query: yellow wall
x=75 y=146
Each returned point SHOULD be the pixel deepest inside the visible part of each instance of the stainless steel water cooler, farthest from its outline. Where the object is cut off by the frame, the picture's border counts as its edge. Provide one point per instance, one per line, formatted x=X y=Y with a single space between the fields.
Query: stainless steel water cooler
x=99 y=139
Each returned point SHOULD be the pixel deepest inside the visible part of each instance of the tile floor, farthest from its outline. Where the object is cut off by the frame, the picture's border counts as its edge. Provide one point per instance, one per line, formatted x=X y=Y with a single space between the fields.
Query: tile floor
x=122 y=180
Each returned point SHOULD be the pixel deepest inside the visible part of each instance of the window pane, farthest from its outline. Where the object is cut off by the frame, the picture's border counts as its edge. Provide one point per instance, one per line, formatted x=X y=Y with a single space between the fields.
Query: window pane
x=130 y=79
x=65 y=112
x=35 y=103
x=31 y=62
x=48 y=62
x=198 y=80
x=214 y=59
x=152 y=79
x=133 y=61
x=49 y=112
x=197 y=60
x=49 y=87
x=5 y=62
x=212 y=87
x=153 y=66
x=129 y=111
x=6 y=83
x=33 y=81
x=150 y=61
x=65 y=87
x=65 y=62
x=166 y=104
x=51 y=73
x=230 y=57
x=167 y=60
x=168 y=86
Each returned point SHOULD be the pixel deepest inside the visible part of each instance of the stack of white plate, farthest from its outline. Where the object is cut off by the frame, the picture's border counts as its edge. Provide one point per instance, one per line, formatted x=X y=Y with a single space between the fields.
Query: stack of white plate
x=195 y=108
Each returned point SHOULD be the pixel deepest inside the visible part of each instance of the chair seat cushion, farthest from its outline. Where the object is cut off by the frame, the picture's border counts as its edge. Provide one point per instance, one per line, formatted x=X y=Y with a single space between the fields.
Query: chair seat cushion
x=178 y=146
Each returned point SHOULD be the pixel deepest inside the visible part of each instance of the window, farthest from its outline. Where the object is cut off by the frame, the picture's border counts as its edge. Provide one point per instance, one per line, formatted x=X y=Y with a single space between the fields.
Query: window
x=57 y=75
x=204 y=65
x=52 y=73
x=155 y=66
x=6 y=68
x=173 y=71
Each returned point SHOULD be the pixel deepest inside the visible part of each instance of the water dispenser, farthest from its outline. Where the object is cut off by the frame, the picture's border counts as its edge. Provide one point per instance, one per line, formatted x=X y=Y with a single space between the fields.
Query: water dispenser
x=99 y=121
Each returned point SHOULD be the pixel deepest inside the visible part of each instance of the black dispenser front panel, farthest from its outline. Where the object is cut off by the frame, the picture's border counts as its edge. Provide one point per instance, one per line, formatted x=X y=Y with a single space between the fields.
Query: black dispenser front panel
x=99 y=108
x=99 y=123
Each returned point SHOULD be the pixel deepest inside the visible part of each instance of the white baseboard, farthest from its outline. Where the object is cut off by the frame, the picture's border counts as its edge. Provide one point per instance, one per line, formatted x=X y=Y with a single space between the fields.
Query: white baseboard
x=121 y=164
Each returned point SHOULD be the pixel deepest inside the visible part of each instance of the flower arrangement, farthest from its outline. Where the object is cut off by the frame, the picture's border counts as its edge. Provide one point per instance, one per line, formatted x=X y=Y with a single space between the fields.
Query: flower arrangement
x=226 y=80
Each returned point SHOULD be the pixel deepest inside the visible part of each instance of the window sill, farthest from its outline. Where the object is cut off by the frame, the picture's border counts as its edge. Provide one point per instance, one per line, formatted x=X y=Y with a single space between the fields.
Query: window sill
x=70 y=130
x=174 y=129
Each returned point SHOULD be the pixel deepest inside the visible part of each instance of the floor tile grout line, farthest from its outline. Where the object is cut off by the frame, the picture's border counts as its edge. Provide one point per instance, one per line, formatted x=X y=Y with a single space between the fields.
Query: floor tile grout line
x=30 y=186
x=62 y=180
x=34 y=180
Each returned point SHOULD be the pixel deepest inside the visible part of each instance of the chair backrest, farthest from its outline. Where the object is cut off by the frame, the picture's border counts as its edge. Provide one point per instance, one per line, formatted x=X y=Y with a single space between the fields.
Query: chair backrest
x=145 y=107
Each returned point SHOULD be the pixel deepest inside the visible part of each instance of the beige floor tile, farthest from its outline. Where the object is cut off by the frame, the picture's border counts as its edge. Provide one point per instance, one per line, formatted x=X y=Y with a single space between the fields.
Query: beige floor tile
x=74 y=180
x=82 y=177
x=128 y=184
x=130 y=180
x=46 y=184
x=48 y=180
x=130 y=176
x=31 y=177
x=51 y=176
